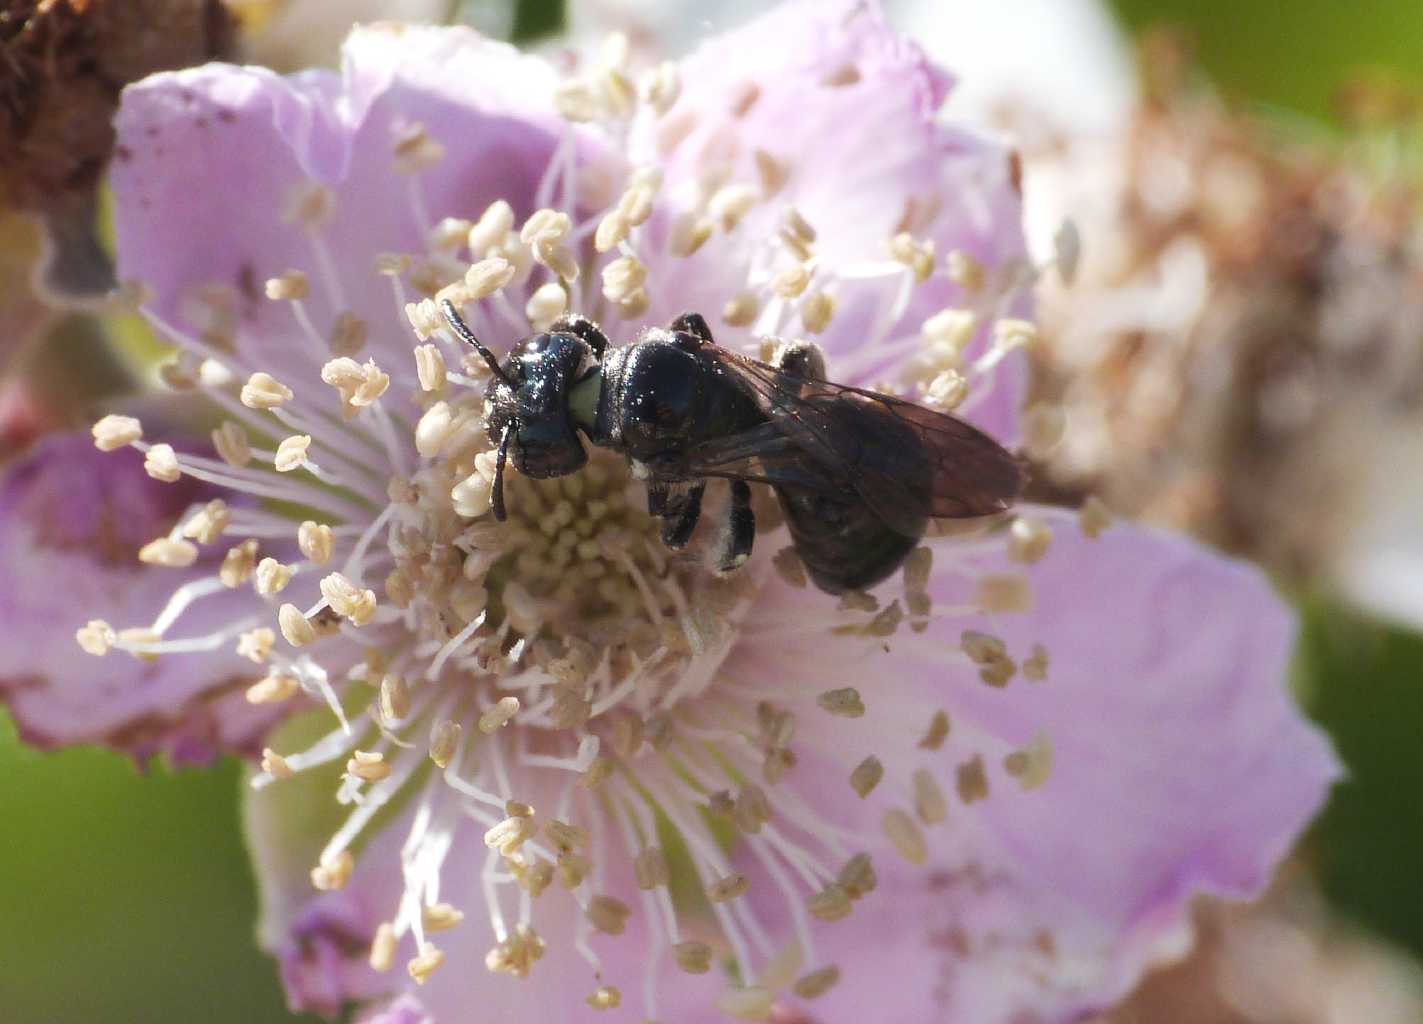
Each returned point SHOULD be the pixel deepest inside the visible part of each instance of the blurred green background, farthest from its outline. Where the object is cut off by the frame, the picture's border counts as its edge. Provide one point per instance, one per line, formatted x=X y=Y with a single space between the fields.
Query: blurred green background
x=127 y=897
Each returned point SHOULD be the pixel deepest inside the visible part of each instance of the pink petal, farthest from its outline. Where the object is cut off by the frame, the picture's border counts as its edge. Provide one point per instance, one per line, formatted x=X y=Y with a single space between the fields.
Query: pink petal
x=71 y=522
x=207 y=158
x=849 y=106
x=1180 y=765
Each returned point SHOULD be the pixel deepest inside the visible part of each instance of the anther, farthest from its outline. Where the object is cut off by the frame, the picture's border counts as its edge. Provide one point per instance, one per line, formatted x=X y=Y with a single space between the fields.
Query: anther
x=256 y=644
x=937 y=732
x=904 y=836
x=750 y=1003
x=230 y=441
x=689 y=232
x=291 y=453
x=866 y=776
x=1043 y=426
x=288 y=286
x=272 y=577
x=741 y=309
x=844 y=702
x=1004 y=592
x=622 y=278
x=161 y=463
x=425 y=964
x=425 y=318
x=316 y=541
x=751 y=809
x=1036 y=664
x=792 y=281
x=368 y=766
x=238 y=564
x=415 y=149
x=929 y=801
x=1010 y=334
x=181 y=373
x=273 y=689
x=971 y=780
x=308 y=204
x=1093 y=517
x=394 y=698
x=535 y=876
x=207 y=524
x=660 y=86
x=547 y=303
x=816 y=310
x=566 y=837
x=440 y=917
x=577 y=100
x=95 y=637
x=572 y=869
x=517 y=954
x=444 y=740
x=816 y=983
x=171 y=554
x=114 y=432
x=392 y=264
x=136 y=639
x=1031 y=765
x=693 y=957
x=347 y=599
x=263 y=391
x=510 y=834
x=916 y=255
x=730 y=203
x=772 y=173
x=606 y=997
x=946 y=391
x=333 y=873
x=1028 y=539
x=382 y=955
x=964 y=270
x=831 y=903
x=608 y=914
x=499 y=715
x=488 y=276
x=296 y=628
x=429 y=367
x=729 y=887
x=858 y=877
x=275 y=764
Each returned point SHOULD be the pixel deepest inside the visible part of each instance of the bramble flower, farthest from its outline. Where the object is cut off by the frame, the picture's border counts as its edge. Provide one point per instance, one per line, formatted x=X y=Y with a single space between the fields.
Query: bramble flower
x=546 y=768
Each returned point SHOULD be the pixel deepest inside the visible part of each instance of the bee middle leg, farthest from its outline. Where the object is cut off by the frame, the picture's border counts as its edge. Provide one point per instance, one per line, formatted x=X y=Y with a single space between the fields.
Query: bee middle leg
x=681 y=512
x=741 y=529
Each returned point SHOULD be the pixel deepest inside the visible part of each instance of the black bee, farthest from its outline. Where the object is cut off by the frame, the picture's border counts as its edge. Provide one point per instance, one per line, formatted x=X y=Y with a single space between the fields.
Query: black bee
x=858 y=474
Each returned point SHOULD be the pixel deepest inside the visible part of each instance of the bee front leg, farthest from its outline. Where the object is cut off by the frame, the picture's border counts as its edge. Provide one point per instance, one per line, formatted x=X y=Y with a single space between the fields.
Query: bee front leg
x=741 y=529
x=682 y=513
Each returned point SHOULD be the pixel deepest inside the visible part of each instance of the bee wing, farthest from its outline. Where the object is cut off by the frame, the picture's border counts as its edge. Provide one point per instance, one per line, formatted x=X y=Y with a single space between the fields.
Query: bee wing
x=906 y=462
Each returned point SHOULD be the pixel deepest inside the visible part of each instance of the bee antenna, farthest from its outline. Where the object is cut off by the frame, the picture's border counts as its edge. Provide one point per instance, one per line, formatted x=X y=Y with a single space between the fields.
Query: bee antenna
x=496 y=496
x=461 y=329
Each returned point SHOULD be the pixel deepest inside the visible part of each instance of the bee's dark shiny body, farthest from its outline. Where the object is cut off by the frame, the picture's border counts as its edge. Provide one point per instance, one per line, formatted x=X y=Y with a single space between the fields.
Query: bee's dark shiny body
x=858 y=474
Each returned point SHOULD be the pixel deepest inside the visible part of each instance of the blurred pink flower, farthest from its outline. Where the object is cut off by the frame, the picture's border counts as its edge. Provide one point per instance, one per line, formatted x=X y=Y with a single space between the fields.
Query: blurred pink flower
x=1009 y=770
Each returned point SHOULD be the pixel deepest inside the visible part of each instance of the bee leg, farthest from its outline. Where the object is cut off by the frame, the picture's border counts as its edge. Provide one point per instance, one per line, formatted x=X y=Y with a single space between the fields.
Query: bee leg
x=682 y=514
x=581 y=327
x=694 y=324
x=804 y=359
x=742 y=528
